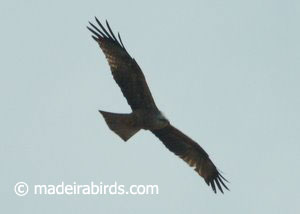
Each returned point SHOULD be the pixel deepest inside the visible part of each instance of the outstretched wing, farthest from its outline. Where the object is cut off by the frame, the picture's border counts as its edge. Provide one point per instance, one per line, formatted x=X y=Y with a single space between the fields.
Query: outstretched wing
x=125 y=70
x=193 y=154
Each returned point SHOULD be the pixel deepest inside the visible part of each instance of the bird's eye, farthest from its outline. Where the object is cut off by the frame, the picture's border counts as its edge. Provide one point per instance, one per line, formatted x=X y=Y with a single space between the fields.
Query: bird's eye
x=163 y=120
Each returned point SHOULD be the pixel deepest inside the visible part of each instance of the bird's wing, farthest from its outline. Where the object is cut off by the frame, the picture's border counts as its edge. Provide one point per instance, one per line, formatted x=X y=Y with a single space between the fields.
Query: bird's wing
x=124 y=68
x=193 y=154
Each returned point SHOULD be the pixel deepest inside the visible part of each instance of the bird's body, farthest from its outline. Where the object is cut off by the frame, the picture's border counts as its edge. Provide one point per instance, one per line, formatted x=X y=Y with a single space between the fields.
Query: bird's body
x=150 y=120
x=145 y=114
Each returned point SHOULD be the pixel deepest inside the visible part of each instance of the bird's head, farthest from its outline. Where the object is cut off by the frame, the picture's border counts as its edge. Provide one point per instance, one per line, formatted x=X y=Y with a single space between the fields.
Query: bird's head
x=162 y=121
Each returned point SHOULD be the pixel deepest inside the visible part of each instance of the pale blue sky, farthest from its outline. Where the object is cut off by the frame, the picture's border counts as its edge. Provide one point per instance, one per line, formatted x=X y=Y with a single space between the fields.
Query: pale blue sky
x=226 y=73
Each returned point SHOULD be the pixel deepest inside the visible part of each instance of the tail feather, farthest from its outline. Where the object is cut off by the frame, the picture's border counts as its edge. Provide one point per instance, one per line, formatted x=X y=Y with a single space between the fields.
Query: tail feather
x=121 y=124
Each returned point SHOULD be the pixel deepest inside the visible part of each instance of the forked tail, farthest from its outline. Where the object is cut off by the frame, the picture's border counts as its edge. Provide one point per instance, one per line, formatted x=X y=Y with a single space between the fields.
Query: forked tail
x=121 y=124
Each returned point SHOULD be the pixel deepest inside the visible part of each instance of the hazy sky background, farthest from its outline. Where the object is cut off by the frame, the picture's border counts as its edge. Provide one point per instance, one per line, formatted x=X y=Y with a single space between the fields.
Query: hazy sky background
x=226 y=73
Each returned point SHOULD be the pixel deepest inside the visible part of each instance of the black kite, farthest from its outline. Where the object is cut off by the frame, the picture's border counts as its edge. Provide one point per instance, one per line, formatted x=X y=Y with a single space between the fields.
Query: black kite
x=145 y=114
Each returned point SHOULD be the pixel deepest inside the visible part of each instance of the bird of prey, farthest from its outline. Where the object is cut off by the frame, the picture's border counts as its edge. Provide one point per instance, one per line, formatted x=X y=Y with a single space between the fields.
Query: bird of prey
x=145 y=114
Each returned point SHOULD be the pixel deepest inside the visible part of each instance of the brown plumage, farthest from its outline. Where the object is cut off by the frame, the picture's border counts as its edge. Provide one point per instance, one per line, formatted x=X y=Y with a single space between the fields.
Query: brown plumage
x=145 y=114
x=189 y=151
x=124 y=68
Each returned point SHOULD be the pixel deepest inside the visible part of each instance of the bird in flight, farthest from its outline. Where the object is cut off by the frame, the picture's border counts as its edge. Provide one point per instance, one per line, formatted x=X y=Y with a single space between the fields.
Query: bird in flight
x=145 y=114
